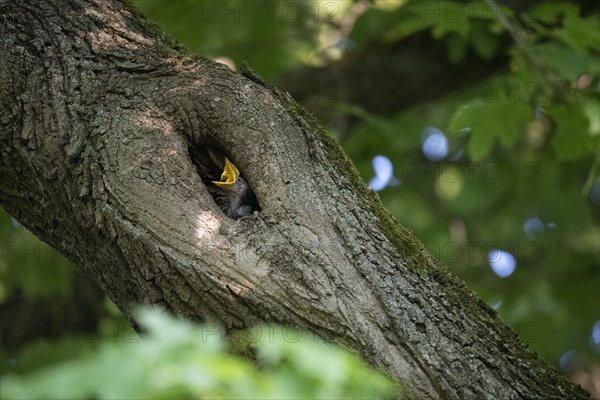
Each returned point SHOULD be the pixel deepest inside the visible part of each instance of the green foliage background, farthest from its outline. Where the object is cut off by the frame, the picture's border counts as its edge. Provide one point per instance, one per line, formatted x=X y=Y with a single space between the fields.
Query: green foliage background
x=177 y=360
x=522 y=144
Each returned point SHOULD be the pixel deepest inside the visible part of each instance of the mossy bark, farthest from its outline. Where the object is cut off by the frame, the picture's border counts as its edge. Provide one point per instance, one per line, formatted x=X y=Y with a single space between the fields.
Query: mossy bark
x=97 y=112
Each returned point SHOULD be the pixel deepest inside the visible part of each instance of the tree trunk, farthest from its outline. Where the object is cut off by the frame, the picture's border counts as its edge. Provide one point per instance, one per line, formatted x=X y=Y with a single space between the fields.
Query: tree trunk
x=98 y=111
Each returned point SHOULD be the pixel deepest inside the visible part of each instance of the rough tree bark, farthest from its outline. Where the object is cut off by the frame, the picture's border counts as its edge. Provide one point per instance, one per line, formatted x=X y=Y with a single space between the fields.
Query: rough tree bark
x=97 y=112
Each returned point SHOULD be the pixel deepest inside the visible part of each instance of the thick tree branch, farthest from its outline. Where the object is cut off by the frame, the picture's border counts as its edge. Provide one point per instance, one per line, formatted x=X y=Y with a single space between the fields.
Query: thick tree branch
x=97 y=113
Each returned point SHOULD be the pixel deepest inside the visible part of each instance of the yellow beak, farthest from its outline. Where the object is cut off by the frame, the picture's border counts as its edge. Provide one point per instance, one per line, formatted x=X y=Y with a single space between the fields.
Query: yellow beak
x=229 y=175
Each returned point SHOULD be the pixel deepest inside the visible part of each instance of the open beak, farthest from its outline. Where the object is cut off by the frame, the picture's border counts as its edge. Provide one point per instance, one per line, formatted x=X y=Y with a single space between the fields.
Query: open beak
x=229 y=175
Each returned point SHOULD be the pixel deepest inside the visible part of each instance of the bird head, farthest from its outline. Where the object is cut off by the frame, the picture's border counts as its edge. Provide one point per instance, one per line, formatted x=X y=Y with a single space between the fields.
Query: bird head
x=228 y=177
x=233 y=194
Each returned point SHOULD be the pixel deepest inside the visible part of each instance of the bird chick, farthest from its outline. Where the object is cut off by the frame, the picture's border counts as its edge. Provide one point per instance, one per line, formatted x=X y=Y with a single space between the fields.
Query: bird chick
x=234 y=196
x=231 y=191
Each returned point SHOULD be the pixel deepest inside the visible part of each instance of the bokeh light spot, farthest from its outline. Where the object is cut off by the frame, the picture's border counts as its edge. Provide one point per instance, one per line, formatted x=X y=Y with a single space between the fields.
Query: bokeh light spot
x=502 y=262
x=566 y=360
x=594 y=193
x=384 y=173
x=449 y=184
x=533 y=228
x=435 y=145
x=596 y=332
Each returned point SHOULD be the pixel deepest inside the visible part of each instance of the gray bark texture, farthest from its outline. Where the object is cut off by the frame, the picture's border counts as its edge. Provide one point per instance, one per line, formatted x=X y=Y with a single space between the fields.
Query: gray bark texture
x=98 y=109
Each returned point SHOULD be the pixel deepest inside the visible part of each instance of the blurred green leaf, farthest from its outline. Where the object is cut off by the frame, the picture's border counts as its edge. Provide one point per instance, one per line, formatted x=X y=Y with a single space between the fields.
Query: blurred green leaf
x=453 y=17
x=550 y=12
x=30 y=265
x=374 y=24
x=484 y=42
x=457 y=48
x=487 y=121
x=271 y=36
x=571 y=139
x=582 y=34
x=568 y=63
x=176 y=359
